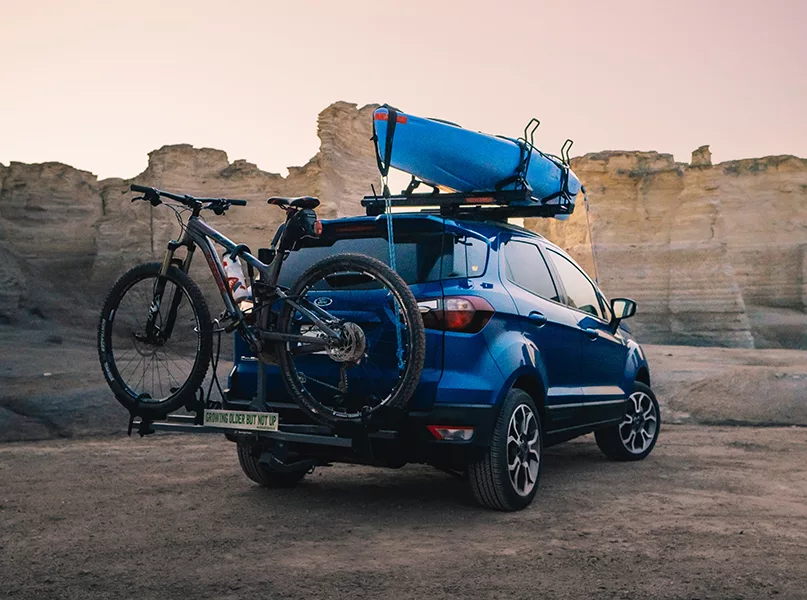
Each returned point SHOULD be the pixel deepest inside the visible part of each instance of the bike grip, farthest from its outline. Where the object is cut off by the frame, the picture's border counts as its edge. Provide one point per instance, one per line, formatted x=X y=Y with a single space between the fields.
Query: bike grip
x=238 y=202
x=140 y=188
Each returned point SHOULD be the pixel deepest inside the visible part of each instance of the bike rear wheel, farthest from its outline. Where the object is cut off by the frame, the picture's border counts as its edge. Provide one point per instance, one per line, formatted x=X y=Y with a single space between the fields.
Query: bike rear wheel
x=154 y=340
x=375 y=366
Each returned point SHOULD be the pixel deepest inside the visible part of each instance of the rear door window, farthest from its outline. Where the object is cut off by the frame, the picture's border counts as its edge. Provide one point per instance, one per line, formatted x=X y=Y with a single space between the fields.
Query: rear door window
x=463 y=256
x=525 y=266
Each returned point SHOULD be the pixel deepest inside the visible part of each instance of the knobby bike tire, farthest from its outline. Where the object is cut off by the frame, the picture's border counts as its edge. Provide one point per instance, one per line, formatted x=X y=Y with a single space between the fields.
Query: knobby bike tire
x=185 y=394
x=414 y=366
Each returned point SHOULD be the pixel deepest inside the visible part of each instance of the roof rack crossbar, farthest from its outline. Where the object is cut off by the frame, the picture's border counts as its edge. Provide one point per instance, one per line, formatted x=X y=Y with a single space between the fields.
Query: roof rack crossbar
x=496 y=205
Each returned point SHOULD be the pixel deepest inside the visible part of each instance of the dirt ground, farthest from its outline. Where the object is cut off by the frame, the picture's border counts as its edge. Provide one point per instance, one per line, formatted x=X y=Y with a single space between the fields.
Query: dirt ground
x=715 y=512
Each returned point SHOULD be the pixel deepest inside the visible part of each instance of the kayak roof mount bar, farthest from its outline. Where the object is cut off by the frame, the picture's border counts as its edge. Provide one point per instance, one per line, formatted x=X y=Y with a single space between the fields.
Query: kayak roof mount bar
x=489 y=206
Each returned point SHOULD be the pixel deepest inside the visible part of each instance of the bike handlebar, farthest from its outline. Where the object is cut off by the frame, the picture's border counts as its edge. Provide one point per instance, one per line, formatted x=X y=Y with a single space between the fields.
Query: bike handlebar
x=153 y=195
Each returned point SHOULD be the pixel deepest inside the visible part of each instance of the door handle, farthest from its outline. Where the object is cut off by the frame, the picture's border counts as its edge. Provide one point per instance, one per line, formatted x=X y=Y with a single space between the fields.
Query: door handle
x=592 y=334
x=538 y=318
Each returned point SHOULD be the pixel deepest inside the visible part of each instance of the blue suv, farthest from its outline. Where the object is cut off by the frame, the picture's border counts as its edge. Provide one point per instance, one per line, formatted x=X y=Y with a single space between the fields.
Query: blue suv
x=523 y=351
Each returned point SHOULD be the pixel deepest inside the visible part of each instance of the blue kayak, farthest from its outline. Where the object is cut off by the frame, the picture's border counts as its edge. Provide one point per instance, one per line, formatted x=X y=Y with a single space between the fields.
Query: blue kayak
x=445 y=154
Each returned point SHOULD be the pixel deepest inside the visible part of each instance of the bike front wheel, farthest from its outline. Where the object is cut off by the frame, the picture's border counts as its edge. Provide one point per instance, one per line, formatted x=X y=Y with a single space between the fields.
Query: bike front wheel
x=374 y=363
x=154 y=340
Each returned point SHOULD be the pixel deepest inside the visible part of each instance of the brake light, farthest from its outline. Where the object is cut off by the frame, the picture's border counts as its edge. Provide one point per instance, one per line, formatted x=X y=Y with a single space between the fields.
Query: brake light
x=318 y=228
x=465 y=314
x=351 y=228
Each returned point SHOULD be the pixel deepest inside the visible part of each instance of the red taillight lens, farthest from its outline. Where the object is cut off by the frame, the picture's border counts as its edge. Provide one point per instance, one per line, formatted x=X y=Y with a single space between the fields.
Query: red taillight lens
x=458 y=313
x=465 y=314
x=318 y=228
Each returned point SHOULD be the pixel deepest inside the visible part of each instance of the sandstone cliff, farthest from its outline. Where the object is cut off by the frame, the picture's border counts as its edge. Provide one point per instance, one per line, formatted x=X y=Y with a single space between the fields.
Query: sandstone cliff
x=698 y=245
x=65 y=236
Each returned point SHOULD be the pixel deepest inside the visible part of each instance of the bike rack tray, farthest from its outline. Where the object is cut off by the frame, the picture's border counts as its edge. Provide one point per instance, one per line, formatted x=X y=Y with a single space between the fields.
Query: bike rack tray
x=495 y=206
x=306 y=434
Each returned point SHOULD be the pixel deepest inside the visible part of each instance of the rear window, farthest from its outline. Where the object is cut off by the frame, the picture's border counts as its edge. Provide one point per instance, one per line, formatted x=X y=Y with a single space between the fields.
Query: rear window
x=419 y=257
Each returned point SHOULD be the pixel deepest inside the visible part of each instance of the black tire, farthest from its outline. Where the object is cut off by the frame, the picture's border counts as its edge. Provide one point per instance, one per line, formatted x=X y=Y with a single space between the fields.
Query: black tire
x=610 y=439
x=180 y=393
x=328 y=415
x=248 y=458
x=489 y=474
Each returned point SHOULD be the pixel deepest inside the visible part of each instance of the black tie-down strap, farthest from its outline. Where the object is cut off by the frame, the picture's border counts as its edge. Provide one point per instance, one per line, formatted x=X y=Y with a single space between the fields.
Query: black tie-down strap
x=563 y=192
x=384 y=165
x=519 y=177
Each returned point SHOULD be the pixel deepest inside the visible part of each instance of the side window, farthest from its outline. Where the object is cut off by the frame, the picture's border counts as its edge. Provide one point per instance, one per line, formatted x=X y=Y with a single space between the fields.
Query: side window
x=525 y=266
x=579 y=290
x=463 y=256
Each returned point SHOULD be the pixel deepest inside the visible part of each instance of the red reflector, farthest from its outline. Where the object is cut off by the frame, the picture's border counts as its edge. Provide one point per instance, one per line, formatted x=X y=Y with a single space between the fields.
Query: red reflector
x=318 y=228
x=451 y=433
x=379 y=116
x=483 y=200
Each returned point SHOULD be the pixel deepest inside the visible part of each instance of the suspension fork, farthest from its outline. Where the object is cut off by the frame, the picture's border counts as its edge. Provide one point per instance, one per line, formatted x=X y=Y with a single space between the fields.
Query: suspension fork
x=159 y=290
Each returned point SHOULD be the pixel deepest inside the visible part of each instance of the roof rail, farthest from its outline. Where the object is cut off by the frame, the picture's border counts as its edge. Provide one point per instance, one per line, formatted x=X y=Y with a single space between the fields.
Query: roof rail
x=489 y=206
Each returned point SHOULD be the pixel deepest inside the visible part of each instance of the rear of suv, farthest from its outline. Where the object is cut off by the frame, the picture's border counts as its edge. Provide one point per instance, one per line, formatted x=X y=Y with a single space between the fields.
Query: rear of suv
x=523 y=351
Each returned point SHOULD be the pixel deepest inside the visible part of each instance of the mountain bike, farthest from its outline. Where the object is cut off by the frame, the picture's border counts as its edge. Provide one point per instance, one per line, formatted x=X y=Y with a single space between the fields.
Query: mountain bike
x=347 y=337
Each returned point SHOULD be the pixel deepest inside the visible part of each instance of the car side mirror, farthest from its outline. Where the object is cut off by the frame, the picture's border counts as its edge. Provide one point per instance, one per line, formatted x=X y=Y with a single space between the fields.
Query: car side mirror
x=622 y=308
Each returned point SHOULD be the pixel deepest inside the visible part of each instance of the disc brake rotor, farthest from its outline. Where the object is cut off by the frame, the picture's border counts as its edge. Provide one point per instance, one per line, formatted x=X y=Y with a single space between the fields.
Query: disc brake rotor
x=350 y=346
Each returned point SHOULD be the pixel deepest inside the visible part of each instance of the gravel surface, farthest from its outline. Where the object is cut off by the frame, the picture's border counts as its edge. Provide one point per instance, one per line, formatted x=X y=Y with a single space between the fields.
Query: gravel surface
x=713 y=513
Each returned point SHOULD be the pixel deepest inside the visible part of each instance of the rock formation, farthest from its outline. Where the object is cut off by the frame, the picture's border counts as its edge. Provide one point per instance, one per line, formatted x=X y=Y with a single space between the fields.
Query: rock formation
x=65 y=236
x=696 y=244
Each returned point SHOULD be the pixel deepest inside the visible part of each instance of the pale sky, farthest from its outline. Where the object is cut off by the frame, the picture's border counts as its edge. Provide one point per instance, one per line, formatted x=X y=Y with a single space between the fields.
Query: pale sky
x=99 y=83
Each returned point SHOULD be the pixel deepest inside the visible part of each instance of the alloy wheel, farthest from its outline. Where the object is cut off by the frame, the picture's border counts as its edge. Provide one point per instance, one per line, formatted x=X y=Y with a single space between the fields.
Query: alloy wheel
x=523 y=449
x=638 y=429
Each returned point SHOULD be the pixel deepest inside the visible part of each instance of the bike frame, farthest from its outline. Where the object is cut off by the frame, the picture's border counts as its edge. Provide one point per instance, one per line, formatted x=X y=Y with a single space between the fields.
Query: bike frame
x=199 y=233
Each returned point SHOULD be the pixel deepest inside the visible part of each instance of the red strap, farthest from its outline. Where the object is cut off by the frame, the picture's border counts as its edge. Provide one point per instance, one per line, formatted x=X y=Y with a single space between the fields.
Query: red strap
x=379 y=116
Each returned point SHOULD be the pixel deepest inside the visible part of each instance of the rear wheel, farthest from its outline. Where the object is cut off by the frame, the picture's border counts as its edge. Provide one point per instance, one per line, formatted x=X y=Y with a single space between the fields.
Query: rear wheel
x=249 y=457
x=635 y=437
x=154 y=340
x=505 y=476
x=375 y=364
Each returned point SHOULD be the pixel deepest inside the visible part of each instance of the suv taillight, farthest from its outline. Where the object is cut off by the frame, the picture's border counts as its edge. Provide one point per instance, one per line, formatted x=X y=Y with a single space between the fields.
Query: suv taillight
x=466 y=314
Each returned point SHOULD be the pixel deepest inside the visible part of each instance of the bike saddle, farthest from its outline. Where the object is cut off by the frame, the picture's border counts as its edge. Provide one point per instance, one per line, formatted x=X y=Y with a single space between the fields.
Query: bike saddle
x=299 y=202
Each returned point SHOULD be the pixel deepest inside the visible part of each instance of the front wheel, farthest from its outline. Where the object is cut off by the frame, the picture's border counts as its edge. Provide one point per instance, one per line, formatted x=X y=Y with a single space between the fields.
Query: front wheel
x=154 y=340
x=373 y=363
x=635 y=437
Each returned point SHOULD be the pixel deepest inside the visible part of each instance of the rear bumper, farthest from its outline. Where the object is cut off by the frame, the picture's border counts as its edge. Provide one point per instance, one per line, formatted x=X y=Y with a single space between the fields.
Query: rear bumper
x=408 y=441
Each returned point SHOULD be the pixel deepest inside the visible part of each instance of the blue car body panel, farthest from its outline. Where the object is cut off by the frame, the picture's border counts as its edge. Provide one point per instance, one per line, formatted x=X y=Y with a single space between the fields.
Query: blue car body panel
x=577 y=382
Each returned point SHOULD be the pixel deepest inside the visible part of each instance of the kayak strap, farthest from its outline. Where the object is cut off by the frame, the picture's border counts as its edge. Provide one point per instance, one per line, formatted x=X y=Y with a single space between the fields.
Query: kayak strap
x=383 y=167
x=563 y=192
x=520 y=176
x=591 y=237
x=526 y=146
